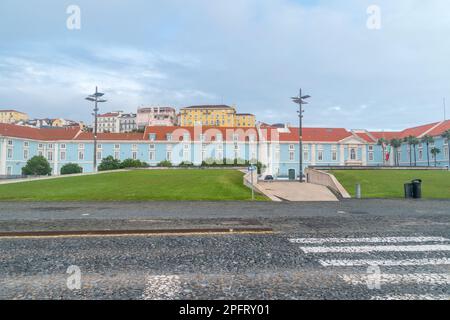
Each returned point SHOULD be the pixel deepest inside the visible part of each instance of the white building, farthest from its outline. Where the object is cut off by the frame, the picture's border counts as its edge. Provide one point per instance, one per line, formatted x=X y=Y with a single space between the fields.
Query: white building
x=156 y=116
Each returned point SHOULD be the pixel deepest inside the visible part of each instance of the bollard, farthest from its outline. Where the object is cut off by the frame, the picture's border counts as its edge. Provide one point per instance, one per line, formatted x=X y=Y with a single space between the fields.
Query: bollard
x=358 y=191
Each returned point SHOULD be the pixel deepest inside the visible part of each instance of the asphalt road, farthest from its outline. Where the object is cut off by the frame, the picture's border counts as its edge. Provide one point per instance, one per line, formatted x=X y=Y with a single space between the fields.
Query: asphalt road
x=374 y=249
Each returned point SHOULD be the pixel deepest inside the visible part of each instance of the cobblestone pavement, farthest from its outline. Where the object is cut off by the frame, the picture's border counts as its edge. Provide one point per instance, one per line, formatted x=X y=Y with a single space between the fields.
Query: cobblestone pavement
x=393 y=250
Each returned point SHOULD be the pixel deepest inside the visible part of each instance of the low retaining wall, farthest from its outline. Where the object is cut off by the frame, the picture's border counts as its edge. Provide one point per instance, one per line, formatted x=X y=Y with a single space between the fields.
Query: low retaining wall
x=328 y=180
x=376 y=168
x=256 y=186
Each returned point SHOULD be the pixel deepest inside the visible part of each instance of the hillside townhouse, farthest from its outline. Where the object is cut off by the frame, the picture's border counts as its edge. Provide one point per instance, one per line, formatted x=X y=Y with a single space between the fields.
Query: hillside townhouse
x=276 y=147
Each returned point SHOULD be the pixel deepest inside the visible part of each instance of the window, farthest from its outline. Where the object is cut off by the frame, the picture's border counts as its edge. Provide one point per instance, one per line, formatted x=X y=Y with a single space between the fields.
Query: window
x=334 y=155
x=9 y=153
x=9 y=171
x=151 y=146
x=10 y=142
x=291 y=156
x=320 y=155
x=151 y=155
x=26 y=144
x=134 y=155
x=399 y=155
x=81 y=146
x=420 y=154
x=40 y=153
x=219 y=137
x=117 y=155
x=62 y=155
x=50 y=155
x=40 y=146
x=291 y=147
x=25 y=154
x=63 y=146
x=99 y=146
x=117 y=146
x=352 y=154
x=134 y=147
x=371 y=156
x=99 y=155
x=446 y=152
x=169 y=137
x=169 y=155
x=305 y=155
x=185 y=146
x=50 y=146
x=80 y=155
x=370 y=148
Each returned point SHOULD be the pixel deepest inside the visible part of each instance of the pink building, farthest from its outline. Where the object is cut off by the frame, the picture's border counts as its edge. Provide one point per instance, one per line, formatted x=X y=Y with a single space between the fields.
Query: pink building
x=156 y=116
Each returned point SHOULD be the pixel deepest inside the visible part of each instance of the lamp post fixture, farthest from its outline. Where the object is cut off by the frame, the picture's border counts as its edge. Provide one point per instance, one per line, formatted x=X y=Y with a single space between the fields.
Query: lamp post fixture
x=96 y=99
x=300 y=100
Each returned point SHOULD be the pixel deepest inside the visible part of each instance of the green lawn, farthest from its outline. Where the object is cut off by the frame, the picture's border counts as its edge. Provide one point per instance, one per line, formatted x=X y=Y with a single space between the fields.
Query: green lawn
x=135 y=185
x=389 y=183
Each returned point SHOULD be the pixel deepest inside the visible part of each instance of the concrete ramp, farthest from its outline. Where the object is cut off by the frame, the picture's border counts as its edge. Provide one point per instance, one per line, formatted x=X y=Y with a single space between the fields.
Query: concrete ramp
x=296 y=191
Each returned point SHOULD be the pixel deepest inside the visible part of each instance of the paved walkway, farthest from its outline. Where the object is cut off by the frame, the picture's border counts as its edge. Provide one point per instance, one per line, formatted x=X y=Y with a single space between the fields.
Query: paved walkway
x=296 y=191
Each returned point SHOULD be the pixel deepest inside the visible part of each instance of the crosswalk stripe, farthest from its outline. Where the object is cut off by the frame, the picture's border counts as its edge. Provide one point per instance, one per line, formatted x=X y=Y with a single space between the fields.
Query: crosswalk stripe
x=385 y=278
x=366 y=262
x=412 y=297
x=366 y=249
x=369 y=240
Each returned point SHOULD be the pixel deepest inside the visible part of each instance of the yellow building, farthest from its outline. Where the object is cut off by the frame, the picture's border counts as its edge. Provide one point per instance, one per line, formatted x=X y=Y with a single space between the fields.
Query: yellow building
x=244 y=120
x=215 y=115
x=12 y=116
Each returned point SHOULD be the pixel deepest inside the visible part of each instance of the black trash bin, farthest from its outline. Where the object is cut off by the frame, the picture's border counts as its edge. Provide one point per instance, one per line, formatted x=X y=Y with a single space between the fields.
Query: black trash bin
x=417 y=188
x=409 y=191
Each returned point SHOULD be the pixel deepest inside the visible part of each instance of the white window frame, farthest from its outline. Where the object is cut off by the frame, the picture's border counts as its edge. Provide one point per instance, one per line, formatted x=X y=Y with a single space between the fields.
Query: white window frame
x=62 y=155
x=80 y=155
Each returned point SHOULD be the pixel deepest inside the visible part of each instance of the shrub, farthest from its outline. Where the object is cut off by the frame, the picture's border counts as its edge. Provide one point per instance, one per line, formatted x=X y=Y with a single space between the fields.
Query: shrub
x=71 y=168
x=186 y=164
x=109 y=163
x=37 y=166
x=130 y=163
x=165 y=163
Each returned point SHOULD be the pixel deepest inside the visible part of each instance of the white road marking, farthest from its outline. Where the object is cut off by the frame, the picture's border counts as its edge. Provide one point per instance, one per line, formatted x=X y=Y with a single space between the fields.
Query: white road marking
x=366 y=249
x=370 y=240
x=162 y=287
x=412 y=297
x=387 y=263
x=385 y=278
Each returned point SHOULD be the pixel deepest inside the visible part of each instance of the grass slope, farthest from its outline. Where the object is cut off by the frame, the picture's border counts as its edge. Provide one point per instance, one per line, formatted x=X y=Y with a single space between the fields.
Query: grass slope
x=389 y=183
x=135 y=185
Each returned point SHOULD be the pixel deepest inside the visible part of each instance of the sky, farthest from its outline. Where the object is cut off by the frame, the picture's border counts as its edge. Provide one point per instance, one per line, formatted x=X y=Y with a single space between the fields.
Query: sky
x=254 y=54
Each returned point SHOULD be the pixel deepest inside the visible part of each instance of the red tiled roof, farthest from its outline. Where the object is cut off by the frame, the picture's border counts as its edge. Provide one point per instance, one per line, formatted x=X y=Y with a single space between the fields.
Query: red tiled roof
x=132 y=136
x=440 y=129
x=11 y=110
x=109 y=114
x=418 y=131
x=194 y=132
x=387 y=135
x=309 y=134
x=366 y=137
x=50 y=134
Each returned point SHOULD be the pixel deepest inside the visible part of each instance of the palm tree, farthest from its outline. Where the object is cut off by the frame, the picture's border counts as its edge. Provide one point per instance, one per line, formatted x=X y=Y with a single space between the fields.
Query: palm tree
x=408 y=140
x=396 y=143
x=382 y=142
x=446 y=135
x=435 y=151
x=415 y=142
x=427 y=140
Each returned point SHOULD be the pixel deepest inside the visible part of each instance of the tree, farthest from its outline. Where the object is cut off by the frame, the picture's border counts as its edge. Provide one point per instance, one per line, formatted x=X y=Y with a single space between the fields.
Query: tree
x=37 y=166
x=412 y=142
x=427 y=140
x=446 y=135
x=71 y=168
x=109 y=163
x=396 y=143
x=383 y=142
x=435 y=151
x=165 y=163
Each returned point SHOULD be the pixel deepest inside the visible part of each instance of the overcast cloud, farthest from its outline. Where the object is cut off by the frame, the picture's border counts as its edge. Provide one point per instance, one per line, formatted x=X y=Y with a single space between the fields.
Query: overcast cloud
x=252 y=53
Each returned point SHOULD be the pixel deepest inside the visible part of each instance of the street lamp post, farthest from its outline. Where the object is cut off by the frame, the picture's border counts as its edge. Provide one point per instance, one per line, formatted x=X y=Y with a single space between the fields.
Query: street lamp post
x=96 y=99
x=300 y=100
